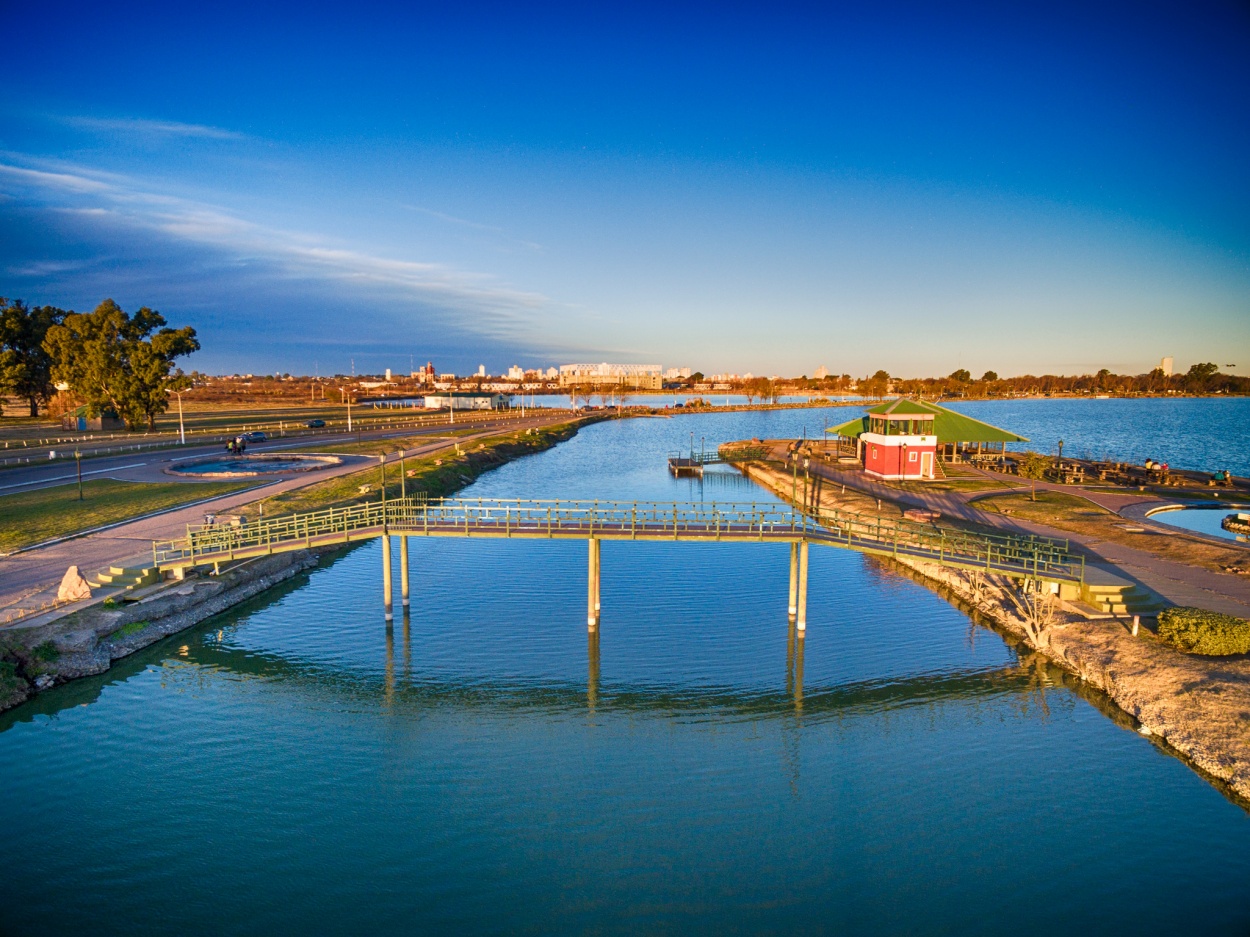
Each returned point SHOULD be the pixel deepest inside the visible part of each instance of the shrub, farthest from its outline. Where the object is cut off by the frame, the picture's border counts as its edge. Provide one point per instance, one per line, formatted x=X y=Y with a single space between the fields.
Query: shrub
x=1199 y=631
x=46 y=652
x=1033 y=466
x=133 y=628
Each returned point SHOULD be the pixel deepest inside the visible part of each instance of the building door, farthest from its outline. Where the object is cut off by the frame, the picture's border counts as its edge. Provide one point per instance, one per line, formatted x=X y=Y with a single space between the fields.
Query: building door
x=926 y=465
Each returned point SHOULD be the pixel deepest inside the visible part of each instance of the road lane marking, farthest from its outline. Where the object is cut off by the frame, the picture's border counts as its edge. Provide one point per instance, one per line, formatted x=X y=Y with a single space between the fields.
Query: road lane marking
x=40 y=481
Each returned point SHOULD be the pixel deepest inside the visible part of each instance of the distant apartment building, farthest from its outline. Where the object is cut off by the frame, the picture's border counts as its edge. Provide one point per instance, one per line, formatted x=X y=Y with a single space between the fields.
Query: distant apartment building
x=458 y=400
x=426 y=374
x=677 y=374
x=821 y=373
x=1165 y=365
x=516 y=373
x=552 y=374
x=634 y=376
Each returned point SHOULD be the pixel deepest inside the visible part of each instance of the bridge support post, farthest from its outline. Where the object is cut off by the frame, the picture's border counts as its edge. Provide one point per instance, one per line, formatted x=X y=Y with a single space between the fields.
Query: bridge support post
x=387 y=588
x=794 y=580
x=403 y=570
x=592 y=586
x=801 y=622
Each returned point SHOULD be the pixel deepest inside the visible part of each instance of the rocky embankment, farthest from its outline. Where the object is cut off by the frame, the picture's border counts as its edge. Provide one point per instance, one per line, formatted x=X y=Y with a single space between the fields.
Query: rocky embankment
x=88 y=641
x=1199 y=706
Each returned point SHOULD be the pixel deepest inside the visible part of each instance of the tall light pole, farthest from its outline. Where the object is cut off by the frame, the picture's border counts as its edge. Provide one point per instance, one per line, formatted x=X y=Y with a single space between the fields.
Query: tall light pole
x=182 y=433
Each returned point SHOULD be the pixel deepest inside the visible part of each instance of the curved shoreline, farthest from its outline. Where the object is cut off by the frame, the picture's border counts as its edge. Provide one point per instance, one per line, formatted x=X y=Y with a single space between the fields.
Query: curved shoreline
x=1199 y=706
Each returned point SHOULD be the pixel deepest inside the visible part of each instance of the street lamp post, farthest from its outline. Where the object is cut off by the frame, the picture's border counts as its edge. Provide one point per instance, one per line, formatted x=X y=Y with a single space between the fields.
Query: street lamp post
x=182 y=433
x=78 y=465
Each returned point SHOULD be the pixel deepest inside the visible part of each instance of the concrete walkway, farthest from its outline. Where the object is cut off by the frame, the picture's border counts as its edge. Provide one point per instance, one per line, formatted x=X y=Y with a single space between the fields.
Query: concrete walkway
x=1178 y=583
x=31 y=579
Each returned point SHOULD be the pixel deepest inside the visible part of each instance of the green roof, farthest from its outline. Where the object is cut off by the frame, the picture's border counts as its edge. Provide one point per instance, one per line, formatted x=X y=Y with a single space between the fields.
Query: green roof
x=947 y=424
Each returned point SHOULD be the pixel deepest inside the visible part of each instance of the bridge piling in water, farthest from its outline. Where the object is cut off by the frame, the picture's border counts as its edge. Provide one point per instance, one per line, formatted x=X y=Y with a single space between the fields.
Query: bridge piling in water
x=794 y=580
x=403 y=571
x=387 y=586
x=801 y=621
x=592 y=586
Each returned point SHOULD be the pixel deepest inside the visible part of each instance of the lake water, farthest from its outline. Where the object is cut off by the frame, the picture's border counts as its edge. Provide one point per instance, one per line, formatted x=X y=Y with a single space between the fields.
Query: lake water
x=1208 y=433
x=291 y=766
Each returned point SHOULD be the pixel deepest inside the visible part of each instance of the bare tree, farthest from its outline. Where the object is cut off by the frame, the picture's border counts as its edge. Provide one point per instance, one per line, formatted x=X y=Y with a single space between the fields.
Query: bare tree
x=1038 y=613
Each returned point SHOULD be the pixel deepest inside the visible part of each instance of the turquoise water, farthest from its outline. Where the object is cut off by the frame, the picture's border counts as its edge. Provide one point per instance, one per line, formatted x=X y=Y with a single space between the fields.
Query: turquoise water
x=252 y=465
x=484 y=767
x=1208 y=434
x=1203 y=520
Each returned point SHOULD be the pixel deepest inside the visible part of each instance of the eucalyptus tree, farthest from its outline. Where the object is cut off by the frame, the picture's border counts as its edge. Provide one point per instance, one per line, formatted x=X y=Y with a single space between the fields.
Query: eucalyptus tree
x=119 y=362
x=25 y=365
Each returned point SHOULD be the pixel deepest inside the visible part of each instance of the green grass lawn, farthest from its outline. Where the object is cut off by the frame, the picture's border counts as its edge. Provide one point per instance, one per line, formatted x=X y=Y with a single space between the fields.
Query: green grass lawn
x=435 y=475
x=34 y=516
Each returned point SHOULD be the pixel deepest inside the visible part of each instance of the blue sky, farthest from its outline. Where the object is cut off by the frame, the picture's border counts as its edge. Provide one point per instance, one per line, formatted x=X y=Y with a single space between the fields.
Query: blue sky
x=916 y=188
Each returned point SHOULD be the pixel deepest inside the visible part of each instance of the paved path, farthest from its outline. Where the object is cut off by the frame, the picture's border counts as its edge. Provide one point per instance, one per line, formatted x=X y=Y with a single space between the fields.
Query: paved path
x=31 y=579
x=1179 y=583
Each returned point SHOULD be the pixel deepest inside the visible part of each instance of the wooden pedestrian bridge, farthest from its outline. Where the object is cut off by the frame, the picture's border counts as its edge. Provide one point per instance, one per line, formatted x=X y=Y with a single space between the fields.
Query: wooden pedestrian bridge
x=1035 y=558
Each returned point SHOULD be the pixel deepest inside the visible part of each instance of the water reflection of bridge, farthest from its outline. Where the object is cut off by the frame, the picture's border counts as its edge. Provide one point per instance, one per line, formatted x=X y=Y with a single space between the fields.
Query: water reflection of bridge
x=1027 y=557
x=399 y=681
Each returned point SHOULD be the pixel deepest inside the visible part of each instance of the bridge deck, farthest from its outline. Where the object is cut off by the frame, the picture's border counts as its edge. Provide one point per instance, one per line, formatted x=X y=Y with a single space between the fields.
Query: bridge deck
x=613 y=520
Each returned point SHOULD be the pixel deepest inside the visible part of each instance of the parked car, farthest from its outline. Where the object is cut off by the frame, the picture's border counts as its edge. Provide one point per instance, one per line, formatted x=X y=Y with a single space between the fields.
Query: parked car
x=314 y=424
x=254 y=436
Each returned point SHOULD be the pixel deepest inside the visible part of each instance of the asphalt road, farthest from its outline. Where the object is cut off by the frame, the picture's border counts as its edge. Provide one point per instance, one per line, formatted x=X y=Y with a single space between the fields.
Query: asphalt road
x=149 y=466
x=30 y=578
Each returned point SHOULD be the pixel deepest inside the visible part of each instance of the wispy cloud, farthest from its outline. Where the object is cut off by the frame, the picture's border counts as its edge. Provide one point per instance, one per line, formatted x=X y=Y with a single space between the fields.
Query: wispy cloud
x=139 y=126
x=495 y=309
x=64 y=181
x=474 y=225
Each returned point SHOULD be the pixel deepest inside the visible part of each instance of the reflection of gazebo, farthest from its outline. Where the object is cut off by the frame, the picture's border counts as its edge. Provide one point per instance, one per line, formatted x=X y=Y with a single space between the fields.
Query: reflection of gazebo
x=915 y=427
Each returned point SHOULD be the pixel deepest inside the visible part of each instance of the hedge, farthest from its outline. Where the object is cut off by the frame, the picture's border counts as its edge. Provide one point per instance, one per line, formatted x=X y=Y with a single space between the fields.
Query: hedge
x=1199 y=631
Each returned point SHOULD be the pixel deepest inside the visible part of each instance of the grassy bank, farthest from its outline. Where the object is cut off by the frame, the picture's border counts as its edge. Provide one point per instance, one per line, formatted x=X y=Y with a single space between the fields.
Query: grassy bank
x=34 y=516
x=436 y=475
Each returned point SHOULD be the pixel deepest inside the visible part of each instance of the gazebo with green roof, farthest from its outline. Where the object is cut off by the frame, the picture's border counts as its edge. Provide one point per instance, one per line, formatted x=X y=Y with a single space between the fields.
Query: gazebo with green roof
x=958 y=436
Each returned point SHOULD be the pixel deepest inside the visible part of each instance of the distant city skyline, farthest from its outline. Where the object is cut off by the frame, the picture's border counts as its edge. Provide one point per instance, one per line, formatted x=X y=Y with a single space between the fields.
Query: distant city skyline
x=917 y=189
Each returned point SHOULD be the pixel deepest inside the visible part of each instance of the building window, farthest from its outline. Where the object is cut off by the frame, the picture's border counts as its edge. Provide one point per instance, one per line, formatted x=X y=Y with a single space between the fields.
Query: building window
x=911 y=457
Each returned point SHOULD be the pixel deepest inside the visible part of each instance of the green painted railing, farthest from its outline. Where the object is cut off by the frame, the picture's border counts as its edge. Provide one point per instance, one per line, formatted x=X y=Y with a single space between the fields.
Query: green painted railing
x=726 y=454
x=1035 y=557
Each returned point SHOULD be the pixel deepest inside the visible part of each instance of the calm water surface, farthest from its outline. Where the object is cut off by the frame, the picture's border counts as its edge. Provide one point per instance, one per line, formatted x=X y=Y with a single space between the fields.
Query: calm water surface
x=1204 y=520
x=291 y=766
x=1208 y=434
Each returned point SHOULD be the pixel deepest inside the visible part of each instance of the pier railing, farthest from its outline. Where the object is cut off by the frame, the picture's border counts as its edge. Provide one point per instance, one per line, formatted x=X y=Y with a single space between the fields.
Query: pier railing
x=725 y=454
x=1035 y=557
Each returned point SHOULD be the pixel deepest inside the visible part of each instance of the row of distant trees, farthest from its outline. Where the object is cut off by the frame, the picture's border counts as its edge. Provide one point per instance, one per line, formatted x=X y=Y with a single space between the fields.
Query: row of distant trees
x=111 y=361
x=1204 y=378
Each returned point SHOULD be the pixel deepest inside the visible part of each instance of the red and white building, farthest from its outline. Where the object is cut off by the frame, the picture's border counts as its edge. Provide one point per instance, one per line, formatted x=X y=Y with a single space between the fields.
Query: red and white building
x=900 y=442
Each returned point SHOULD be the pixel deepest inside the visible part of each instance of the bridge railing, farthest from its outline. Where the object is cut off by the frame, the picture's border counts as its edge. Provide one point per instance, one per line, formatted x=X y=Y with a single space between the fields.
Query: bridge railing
x=1026 y=555
x=1019 y=555
x=585 y=518
x=723 y=454
x=213 y=541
